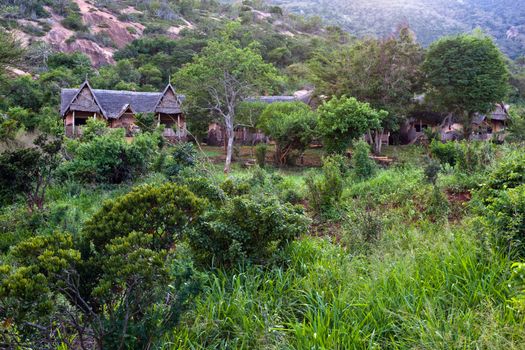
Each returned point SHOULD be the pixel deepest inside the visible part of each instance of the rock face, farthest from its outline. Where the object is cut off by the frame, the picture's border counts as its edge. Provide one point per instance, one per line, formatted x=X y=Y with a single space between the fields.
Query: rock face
x=100 y=23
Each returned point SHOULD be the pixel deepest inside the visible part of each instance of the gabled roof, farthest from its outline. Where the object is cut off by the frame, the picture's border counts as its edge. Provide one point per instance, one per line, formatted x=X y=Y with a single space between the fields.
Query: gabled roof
x=165 y=106
x=76 y=93
x=112 y=102
x=124 y=109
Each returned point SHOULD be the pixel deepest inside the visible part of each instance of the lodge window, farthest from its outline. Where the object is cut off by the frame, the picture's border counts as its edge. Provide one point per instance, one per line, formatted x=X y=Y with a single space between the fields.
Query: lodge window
x=80 y=121
x=421 y=127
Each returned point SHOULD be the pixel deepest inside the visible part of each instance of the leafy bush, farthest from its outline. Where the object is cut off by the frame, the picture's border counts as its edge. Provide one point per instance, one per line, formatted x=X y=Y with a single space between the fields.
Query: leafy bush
x=365 y=226
x=500 y=204
x=325 y=191
x=467 y=156
x=474 y=156
x=109 y=158
x=235 y=187
x=202 y=187
x=431 y=170
x=504 y=218
x=74 y=22
x=29 y=171
x=183 y=155
x=245 y=229
x=438 y=206
x=130 y=296
x=364 y=167
x=518 y=284
x=342 y=120
x=162 y=211
x=446 y=152
x=509 y=173
x=260 y=154
x=292 y=126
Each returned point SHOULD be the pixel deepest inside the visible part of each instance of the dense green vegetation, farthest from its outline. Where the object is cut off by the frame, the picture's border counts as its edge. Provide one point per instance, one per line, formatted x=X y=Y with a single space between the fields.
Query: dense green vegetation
x=430 y=19
x=109 y=242
x=385 y=262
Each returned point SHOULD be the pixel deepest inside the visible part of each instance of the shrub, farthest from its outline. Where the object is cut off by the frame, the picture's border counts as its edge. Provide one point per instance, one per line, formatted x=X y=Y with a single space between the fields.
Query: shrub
x=235 y=187
x=342 y=120
x=365 y=227
x=162 y=211
x=131 y=296
x=446 y=152
x=504 y=219
x=431 y=170
x=364 y=167
x=109 y=158
x=467 y=156
x=203 y=188
x=183 y=155
x=29 y=172
x=74 y=22
x=260 y=154
x=246 y=229
x=509 y=173
x=474 y=156
x=324 y=192
x=288 y=191
x=438 y=206
x=291 y=125
x=518 y=284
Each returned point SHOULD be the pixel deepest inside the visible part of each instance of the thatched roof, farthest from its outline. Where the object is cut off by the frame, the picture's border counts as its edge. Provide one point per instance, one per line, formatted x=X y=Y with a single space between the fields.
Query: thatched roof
x=272 y=99
x=500 y=113
x=112 y=103
x=300 y=96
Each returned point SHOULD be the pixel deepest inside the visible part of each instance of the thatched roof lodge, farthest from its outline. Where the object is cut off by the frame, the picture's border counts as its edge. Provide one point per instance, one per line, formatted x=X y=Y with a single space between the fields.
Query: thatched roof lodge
x=120 y=108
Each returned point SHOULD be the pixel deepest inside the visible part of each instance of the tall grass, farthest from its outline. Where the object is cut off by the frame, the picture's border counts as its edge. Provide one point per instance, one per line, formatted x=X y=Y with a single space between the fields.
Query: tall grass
x=419 y=289
x=421 y=285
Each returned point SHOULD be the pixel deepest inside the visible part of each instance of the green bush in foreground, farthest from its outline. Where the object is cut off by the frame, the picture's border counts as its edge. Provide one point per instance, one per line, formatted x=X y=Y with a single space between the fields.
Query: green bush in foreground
x=245 y=230
x=364 y=167
x=108 y=158
x=325 y=191
x=162 y=211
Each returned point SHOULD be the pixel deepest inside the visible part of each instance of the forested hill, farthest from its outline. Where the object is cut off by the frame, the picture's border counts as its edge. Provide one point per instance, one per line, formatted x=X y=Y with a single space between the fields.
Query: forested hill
x=102 y=28
x=430 y=19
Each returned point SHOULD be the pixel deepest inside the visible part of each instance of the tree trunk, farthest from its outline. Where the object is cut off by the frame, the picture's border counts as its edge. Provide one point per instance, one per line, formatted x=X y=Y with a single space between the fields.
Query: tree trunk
x=376 y=139
x=467 y=126
x=229 y=148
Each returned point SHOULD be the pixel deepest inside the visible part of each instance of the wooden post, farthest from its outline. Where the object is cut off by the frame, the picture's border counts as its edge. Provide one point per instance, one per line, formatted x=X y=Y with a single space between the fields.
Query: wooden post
x=179 y=132
x=73 y=124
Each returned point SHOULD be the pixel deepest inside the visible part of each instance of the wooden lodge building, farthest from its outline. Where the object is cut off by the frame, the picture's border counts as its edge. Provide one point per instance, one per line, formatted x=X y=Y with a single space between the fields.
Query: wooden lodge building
x=248 y=135
x=119 y=109
x=485 y=127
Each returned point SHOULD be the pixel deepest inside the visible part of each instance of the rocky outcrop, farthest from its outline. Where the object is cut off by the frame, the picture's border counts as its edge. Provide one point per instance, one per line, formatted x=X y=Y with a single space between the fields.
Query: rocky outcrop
x=99 y=23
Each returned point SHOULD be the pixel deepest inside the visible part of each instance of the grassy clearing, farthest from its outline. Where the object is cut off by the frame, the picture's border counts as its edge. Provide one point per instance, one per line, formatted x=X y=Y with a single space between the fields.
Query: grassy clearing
x=420 y=285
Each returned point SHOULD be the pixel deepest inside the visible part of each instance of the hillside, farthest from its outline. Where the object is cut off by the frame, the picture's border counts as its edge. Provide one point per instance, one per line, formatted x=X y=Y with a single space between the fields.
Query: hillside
x=430 y=19
x=100 y=28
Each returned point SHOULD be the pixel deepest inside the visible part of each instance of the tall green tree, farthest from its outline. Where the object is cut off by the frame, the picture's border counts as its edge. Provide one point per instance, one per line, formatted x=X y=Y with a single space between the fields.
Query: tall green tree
x=383 y=72
x=342 y=120
x=223 y=76
x=292 y=125
x=466 y=74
